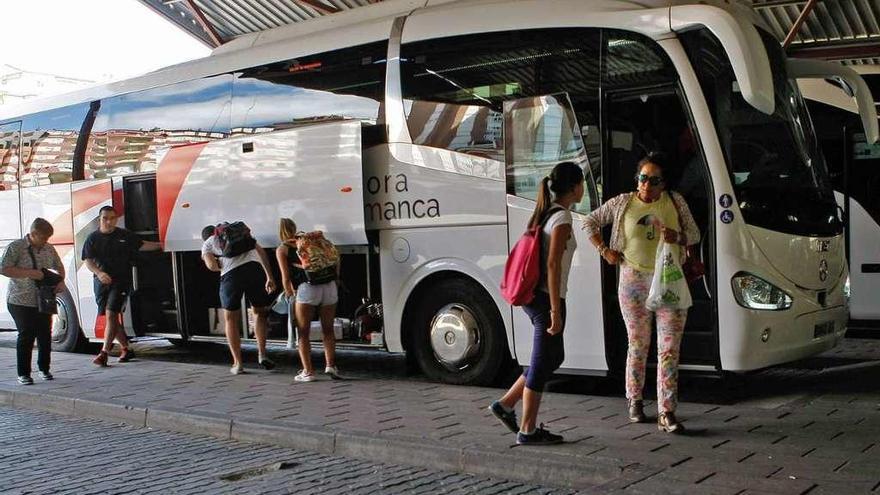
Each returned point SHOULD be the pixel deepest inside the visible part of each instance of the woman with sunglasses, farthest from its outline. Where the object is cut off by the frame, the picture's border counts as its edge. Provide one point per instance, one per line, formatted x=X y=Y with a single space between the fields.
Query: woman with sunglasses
x=640 y=220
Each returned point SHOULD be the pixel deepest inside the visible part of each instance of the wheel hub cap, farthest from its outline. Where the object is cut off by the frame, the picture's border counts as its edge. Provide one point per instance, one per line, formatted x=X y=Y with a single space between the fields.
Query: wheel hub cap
x=455 y=335
x=59 y=324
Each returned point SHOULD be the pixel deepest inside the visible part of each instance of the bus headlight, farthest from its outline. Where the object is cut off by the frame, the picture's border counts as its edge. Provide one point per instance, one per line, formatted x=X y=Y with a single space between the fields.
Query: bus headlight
x=846 y=289
x=753 y=292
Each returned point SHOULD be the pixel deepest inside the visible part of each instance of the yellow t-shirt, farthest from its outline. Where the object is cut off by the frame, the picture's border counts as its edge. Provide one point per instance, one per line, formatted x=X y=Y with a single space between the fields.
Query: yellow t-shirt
x=641 y=234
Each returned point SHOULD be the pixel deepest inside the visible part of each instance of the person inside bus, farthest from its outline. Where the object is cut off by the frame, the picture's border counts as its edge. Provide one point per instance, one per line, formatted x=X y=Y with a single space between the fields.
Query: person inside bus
x=109 y=253
x=557 y=193
x=26 y=262
x=633 y=246
x=305 y=299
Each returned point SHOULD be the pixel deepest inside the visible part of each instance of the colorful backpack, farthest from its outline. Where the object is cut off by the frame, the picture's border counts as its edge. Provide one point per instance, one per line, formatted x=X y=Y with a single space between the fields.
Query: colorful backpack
x=522 y=273
x=318 y=257
x=234 y=239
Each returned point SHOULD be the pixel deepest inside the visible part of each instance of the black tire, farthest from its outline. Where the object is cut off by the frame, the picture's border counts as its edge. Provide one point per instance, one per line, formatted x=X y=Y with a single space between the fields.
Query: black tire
x=483 y=365
x=66 y=334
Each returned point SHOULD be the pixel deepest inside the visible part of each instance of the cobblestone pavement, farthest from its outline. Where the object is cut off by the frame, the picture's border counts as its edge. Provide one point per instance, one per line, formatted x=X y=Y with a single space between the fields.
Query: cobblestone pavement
x=43 y=453
x=811 y=427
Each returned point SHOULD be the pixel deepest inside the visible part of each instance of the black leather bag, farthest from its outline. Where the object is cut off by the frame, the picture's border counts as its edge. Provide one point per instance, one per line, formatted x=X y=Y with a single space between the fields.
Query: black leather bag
x=46 y=301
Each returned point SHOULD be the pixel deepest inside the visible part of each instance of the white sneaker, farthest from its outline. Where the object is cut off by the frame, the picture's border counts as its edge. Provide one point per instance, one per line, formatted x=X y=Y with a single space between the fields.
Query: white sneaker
x=333 y=372
x=304 y=377
x=237 y=370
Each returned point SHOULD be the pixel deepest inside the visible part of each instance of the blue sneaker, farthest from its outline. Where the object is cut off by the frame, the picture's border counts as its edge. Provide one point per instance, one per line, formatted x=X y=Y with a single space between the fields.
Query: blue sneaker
x=539 y=437
x=506 y=418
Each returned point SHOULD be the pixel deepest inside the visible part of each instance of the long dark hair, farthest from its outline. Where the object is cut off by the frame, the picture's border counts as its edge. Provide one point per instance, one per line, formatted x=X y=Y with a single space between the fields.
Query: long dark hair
x=562 y=180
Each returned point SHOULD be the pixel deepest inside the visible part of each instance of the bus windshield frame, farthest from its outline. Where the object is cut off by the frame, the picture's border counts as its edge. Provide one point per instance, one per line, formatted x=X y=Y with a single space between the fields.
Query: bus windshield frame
x=777 y=170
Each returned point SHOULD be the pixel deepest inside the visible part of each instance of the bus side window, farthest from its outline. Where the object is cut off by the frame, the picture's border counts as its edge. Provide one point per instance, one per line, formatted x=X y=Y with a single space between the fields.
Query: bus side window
x=131 y=129
x=47 y=145
x=454 y=88
x=345 y=84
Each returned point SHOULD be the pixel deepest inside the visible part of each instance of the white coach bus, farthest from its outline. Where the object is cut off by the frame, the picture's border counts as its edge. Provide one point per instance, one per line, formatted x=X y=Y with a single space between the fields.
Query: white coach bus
x=414 y=133
x=853 y=166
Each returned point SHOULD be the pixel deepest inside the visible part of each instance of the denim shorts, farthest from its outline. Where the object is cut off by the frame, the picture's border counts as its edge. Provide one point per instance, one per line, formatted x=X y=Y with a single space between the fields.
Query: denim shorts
x=246 y=280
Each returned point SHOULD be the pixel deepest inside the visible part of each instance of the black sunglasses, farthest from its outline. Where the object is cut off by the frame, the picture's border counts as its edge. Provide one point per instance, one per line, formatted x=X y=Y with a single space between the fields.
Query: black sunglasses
x=654 y=180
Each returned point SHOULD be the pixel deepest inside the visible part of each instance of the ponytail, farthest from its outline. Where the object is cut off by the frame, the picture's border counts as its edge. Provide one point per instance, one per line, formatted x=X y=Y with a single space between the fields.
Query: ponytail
x=562 y=180
x=543 y=202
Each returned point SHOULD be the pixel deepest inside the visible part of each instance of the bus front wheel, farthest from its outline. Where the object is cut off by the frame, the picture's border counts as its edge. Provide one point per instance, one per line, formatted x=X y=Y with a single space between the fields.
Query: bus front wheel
x=458 y=336
x=66 y=335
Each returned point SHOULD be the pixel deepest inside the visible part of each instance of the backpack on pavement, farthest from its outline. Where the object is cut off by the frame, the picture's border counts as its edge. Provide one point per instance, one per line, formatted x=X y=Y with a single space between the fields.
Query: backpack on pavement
x=234 y=239
x=318 y=257
x=522 y=272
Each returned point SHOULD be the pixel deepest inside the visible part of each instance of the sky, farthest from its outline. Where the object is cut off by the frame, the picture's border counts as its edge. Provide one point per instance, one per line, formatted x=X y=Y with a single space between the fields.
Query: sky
x=98 y=40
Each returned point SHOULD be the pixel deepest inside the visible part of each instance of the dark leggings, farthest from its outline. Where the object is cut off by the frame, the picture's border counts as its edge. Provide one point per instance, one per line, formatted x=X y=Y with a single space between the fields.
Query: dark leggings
x=548 y=351
x=32 y=325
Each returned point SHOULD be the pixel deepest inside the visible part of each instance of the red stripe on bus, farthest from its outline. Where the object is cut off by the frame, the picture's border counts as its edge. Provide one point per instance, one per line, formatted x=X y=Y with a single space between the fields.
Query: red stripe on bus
x=100 y=325
x=63 y=227
x=173 y=171
x=90 y=197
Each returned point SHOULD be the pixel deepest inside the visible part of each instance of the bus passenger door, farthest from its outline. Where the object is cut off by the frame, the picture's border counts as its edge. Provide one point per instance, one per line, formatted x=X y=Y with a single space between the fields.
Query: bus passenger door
x=638 y=121
x=539 y=133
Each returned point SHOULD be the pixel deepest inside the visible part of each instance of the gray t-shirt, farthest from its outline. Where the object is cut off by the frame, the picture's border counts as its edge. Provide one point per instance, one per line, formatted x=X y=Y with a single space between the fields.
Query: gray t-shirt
x=227 y=264
x=23 y=291
x=561 y=217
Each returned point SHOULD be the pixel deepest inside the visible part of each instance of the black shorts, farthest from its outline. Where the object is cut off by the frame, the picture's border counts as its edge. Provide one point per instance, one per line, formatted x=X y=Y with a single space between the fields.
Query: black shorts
x=249 y=280
x=111 y=297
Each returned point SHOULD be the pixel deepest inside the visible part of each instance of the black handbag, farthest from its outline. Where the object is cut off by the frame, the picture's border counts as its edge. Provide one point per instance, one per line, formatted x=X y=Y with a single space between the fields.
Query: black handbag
x=46 y=301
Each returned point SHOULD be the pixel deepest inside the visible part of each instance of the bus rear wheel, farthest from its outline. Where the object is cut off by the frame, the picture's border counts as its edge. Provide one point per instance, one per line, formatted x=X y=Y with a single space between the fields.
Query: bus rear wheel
x=457 y=335
x=66 y=335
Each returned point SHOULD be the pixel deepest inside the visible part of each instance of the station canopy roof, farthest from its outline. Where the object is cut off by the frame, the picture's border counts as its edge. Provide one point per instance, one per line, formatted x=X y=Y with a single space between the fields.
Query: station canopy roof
x=843 y=30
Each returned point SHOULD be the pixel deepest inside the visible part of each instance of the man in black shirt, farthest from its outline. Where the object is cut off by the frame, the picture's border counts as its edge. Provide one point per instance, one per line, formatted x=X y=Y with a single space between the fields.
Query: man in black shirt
x=108 y=253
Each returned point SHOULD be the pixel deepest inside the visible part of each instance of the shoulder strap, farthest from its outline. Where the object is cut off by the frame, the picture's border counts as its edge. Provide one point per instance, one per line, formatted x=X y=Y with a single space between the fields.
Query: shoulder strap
x=33 y=258
x=549 y=213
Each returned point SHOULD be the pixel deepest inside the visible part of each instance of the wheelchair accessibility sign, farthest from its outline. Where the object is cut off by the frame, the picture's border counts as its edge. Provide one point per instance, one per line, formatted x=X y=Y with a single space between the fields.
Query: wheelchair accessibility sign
x=726 y=216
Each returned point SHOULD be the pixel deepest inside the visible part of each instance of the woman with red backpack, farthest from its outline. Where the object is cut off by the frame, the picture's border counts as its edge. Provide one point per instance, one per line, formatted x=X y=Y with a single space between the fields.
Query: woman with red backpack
x=558 y=192
x=309 y=291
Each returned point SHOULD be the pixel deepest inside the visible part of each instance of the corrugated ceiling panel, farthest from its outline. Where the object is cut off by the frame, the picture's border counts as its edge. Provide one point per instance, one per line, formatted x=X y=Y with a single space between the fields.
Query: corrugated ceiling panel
x=831 y=24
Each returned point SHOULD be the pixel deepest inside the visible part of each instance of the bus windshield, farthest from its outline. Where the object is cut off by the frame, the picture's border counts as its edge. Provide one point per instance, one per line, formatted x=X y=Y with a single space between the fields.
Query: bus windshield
x=779 y=175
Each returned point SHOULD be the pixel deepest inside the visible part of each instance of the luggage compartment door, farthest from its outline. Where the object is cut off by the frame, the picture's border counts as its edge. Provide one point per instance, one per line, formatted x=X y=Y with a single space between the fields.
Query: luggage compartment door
x=312 y=174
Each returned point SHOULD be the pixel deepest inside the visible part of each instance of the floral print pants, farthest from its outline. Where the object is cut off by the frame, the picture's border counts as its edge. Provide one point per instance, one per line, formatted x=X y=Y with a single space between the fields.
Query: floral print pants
x=632 y=292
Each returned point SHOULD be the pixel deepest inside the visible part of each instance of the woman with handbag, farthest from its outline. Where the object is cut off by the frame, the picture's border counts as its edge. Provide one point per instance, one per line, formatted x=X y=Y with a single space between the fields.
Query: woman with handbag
x=37 y=275
x=640 y=220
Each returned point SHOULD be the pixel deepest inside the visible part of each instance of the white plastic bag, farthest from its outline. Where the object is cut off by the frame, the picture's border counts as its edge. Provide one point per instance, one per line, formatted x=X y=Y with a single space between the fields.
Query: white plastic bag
x=281 y=304
x=669 y=288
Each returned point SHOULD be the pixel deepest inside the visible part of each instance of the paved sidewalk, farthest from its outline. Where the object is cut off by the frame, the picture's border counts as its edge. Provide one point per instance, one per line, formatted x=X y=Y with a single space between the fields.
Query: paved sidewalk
x=821 y=438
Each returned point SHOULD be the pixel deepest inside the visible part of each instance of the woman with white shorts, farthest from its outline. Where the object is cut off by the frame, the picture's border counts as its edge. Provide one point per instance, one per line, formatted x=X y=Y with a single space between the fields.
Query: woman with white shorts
x=306 y=299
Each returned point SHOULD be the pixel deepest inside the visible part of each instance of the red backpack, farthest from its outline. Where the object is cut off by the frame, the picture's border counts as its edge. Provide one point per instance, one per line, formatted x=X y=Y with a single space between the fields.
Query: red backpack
x=522 y=273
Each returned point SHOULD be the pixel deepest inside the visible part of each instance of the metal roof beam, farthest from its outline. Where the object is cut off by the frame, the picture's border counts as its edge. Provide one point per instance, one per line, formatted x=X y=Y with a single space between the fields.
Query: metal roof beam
x=797 y=24
x=203 y=21
x=165 y=9
x=770 y=4
x=318 y=5
x=837 y=51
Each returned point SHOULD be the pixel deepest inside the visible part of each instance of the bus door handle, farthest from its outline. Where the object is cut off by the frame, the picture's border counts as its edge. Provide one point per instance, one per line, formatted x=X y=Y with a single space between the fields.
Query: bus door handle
x=705 y=275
